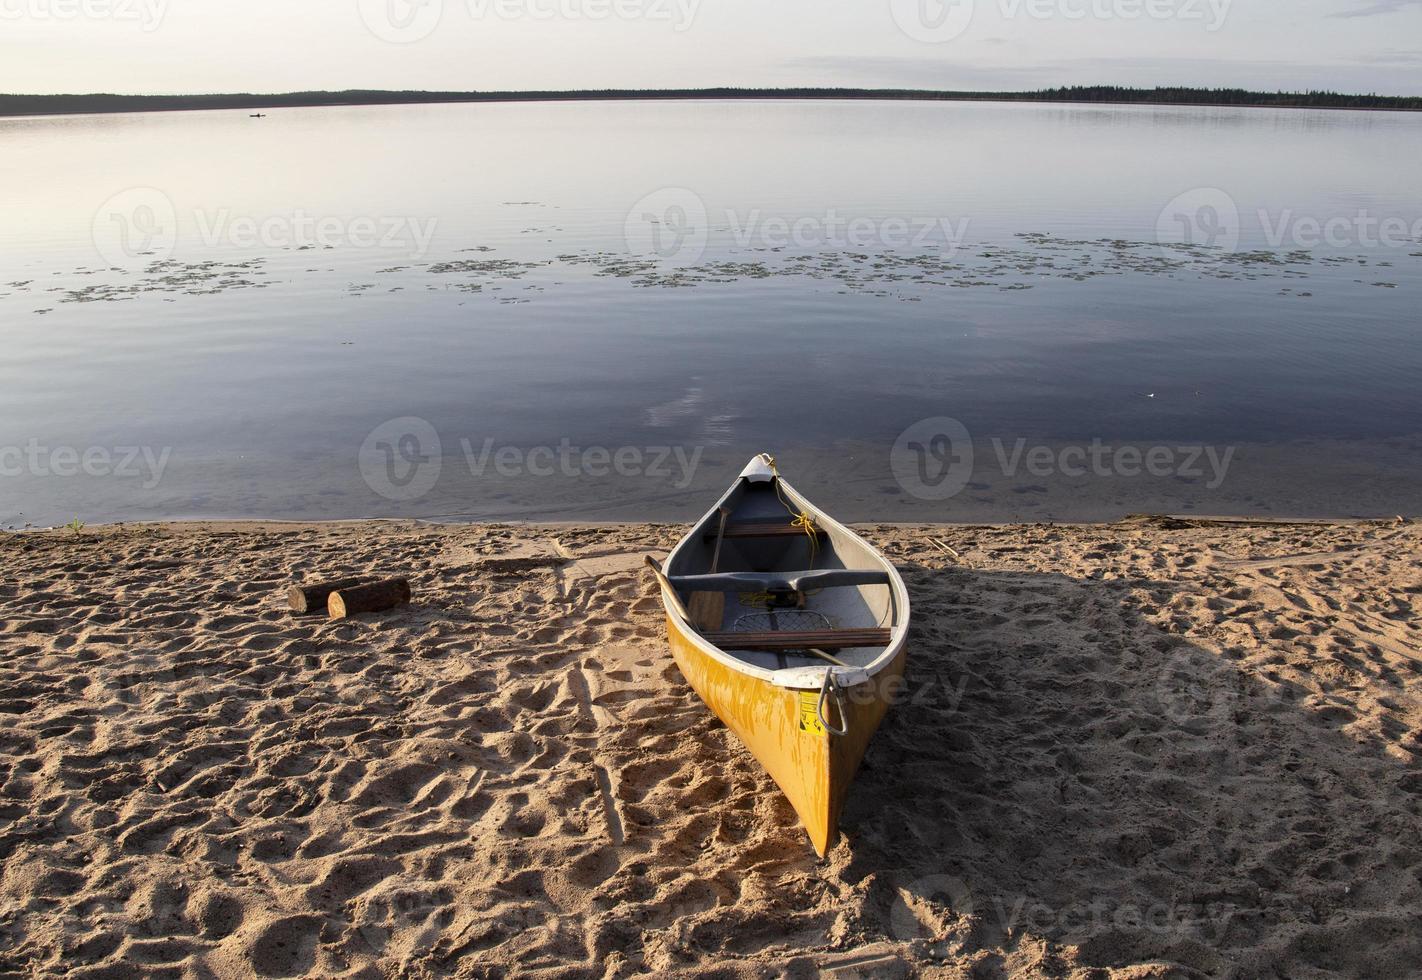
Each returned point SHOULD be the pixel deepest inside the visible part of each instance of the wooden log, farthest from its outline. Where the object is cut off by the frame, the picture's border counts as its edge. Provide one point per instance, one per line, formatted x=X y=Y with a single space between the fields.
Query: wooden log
x=371 y=597
x=308 y=599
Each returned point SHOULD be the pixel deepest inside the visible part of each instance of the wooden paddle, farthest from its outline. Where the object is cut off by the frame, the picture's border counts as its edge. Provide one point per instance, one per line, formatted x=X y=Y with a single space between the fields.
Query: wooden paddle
x=668 y=588
x=709 y=608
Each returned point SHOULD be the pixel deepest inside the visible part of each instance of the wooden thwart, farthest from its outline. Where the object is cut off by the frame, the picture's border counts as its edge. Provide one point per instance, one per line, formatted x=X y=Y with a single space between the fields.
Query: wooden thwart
x=787 y=640
x=751 y=529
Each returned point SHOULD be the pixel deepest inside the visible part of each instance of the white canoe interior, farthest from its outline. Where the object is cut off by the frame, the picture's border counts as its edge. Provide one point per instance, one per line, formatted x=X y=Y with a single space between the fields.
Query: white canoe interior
x=848 y=588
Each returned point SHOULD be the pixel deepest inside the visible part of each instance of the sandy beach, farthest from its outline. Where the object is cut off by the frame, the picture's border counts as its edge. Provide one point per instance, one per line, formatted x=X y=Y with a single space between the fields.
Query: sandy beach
x=1155 y=748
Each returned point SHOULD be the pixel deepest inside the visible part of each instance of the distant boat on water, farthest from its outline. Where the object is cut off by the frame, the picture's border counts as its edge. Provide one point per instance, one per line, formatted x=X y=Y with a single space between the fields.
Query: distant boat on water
x=258 y=115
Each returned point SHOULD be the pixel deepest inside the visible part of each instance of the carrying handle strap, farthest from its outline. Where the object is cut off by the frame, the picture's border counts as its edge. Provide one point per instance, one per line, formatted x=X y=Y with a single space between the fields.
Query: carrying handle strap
x=831 y=687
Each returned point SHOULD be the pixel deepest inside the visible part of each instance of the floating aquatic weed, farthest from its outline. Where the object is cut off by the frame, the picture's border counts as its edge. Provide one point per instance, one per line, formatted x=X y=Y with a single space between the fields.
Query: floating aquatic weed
x=505 y=267
x=169 y=276
x=490 y=269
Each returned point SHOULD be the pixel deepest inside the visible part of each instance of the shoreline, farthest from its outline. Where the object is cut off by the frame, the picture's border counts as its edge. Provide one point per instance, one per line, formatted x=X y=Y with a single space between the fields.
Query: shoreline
x=264 y=524
x=246 y=101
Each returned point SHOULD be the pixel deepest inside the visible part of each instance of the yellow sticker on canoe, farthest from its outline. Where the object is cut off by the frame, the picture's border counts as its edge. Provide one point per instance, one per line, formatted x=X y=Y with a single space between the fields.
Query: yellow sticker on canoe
x=809 y=702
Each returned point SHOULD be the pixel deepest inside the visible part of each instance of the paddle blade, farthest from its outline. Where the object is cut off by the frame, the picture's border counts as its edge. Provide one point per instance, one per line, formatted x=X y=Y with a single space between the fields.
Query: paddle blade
x=707 y=610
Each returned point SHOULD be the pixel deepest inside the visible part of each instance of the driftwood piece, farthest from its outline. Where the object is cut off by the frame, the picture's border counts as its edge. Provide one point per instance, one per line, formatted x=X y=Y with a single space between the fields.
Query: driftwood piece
x=371 y=597
x=309 y=599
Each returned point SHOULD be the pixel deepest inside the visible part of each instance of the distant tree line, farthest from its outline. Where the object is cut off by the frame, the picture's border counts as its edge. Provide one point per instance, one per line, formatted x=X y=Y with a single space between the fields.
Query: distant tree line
x=24 y=105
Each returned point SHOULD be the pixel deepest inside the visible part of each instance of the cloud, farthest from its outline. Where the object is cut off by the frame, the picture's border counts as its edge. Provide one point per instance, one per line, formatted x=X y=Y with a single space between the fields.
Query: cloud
x=1401 y=59
x=1376 y=7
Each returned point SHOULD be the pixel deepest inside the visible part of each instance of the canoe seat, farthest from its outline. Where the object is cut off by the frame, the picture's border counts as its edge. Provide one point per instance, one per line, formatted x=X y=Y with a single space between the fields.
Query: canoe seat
x=809 y=639
x=828 y=578
x=763 y=529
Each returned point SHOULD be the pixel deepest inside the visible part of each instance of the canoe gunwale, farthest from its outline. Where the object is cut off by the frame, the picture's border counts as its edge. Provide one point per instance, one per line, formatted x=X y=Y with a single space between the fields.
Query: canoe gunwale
x=804 y=677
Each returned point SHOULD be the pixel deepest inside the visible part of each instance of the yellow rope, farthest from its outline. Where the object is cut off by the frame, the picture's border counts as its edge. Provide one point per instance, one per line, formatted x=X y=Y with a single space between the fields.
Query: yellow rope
x=802 y=518
x=756 y=600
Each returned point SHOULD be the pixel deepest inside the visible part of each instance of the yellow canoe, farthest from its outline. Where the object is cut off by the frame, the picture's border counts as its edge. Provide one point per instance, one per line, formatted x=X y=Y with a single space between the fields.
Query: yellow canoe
x=807 y=653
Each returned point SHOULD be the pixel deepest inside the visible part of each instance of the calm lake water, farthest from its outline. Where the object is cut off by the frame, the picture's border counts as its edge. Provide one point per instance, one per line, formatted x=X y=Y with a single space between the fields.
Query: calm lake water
x=600 y=311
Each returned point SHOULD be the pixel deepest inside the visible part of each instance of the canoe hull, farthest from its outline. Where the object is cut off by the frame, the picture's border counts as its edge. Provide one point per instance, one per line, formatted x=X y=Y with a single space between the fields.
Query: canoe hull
x=813 y=767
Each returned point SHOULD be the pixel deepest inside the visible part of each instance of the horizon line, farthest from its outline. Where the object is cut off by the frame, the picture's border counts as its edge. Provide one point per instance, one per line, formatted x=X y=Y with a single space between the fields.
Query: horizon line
x=25 y=104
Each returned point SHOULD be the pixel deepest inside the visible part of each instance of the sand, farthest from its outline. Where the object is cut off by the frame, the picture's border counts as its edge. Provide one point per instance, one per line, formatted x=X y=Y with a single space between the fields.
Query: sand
x=1152 y=748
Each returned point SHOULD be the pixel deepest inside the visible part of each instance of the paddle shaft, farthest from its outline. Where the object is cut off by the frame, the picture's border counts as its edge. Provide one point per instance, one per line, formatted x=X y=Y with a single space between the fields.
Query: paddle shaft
x=834 y=660
x=708 y=609
x=668 y=588
x=720 y=536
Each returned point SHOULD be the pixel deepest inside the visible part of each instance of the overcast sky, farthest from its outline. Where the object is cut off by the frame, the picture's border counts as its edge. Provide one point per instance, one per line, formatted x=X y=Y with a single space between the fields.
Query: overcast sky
x=188 y=46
